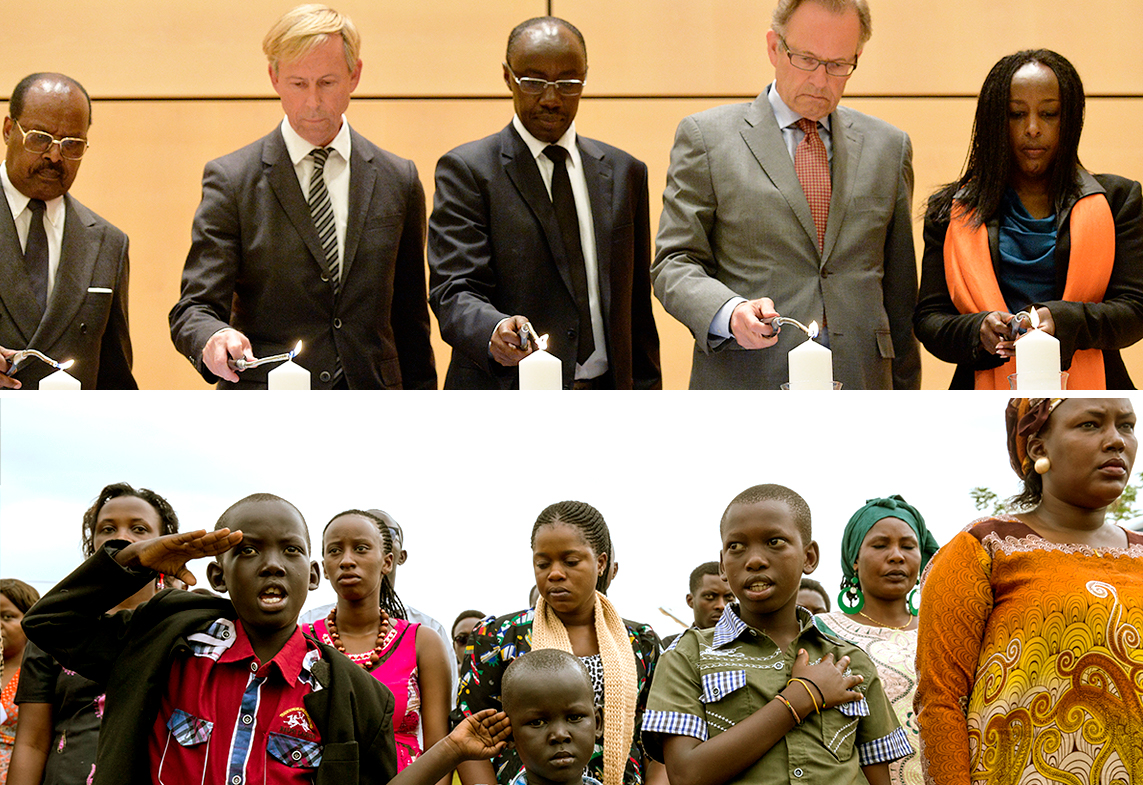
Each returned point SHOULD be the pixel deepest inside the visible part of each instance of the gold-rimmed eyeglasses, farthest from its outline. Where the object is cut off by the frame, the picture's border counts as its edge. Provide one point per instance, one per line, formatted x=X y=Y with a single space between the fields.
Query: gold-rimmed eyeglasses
x=39 y=142
x=534 y=86
x=804 y=62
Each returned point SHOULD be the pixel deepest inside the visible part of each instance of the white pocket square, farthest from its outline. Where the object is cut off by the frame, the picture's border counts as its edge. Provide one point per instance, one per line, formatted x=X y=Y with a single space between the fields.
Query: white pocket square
x=98 y=290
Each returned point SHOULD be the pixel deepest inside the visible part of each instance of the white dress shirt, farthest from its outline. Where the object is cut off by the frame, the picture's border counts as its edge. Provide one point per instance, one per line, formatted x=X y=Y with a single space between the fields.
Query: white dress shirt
x=54 y=214
x=336 y=174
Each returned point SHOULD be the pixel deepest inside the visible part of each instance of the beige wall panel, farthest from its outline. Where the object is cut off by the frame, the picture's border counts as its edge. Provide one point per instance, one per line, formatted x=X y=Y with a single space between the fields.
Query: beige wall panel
x=717 y=47
x=213 y=48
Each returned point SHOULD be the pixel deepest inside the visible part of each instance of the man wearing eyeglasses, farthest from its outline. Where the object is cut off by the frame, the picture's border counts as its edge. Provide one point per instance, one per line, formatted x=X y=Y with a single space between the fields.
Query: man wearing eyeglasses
x=63 y=269
x=537 y=224
x=793 y=206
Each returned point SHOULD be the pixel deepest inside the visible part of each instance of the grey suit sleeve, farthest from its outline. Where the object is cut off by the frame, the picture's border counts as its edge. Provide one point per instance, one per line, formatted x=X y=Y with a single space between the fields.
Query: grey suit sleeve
x=685 y=266
x=115 y=355
x=462 y=273
x=210 y=271
x=899 y=284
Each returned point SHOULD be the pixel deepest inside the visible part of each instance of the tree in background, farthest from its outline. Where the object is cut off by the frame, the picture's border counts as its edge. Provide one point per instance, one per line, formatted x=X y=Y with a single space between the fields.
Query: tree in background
x=1123 y=510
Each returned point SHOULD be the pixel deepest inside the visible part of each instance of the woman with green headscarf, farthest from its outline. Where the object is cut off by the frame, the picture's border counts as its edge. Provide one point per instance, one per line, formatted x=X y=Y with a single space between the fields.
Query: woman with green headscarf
x=885 y=546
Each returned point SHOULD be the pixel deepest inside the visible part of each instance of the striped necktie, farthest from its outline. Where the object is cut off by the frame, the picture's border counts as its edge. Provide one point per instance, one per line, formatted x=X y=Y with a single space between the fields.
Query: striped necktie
x=322 y=211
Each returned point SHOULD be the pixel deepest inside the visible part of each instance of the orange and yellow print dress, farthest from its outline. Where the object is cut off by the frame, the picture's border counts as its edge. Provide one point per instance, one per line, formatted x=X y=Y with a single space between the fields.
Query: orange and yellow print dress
x=1030 y=660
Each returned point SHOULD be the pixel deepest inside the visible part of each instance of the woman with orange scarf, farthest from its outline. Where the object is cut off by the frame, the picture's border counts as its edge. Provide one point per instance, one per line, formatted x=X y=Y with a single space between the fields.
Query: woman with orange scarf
x=1027 y=228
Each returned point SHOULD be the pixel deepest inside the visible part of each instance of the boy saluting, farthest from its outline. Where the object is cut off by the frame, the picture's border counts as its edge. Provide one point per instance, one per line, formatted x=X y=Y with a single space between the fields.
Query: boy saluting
x=205 y=689
x=742 y=702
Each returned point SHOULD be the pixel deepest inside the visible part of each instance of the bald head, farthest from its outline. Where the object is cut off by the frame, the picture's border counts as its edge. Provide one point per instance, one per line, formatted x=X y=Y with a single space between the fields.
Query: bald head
x=50 y=84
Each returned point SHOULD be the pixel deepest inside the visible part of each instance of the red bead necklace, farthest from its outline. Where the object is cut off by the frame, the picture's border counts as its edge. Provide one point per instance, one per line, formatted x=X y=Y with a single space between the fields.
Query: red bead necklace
x=383 y=633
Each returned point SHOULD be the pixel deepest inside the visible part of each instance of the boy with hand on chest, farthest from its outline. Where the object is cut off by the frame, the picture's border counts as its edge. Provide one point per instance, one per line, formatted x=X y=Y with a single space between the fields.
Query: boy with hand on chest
x=549 y=714
x=764 y=697
x=206 y=689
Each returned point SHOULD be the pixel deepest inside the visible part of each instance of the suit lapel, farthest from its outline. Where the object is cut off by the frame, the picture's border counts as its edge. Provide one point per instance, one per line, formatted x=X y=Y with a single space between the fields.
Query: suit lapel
x=76 y=271
x=764 y=139
x=600 y=192
x=524 y=173
x=847 y=145
x=284 y=183
x=362 y=176
x=15 y=291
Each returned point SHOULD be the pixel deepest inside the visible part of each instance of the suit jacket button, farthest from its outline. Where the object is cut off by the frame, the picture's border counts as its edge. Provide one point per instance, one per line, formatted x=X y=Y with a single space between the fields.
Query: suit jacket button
x=324 y=278
x=825 y=273
x=83 y=328
x=337 y=324
x=324 y=376
x=571 y=334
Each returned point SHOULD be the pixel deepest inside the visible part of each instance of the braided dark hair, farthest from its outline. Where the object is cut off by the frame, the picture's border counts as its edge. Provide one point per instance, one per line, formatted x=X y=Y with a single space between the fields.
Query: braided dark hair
x=389 y=602
x=591 y=525
x=168 y=519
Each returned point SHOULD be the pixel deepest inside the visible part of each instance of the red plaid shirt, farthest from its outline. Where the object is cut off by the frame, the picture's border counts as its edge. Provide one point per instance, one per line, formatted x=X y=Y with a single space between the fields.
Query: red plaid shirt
x=226 y=718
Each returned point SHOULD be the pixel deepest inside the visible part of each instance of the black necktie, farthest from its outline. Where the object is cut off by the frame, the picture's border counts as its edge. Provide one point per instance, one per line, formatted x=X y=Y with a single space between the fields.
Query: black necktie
x=564 y=203
x=36 y=253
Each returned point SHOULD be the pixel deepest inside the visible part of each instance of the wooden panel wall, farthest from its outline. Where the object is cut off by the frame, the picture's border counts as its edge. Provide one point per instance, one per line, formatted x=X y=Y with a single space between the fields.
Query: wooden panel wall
x=177 y=84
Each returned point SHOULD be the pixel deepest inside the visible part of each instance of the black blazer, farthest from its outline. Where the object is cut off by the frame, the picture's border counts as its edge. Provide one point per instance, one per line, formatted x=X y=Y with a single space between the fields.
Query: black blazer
x=1115 y=323
x=86 y=318
x=130 y=654
x=495 y=251
x=256 y=264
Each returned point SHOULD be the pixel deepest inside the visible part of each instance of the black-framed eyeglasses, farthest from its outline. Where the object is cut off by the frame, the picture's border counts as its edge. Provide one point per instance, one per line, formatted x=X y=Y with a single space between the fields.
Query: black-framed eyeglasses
x=39 y=142
x=804 y=62
x=534 y=86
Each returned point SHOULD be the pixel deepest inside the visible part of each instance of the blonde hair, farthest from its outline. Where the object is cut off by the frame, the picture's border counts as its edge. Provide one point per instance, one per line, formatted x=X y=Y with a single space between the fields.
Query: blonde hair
x=307 y=27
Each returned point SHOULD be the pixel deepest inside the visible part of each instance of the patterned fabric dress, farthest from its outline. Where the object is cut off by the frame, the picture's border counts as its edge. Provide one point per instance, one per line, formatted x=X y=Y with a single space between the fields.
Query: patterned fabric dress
x=1030 y=660
x=8 y=726
x=496 y=642
x=397 y=670
x=894 y=652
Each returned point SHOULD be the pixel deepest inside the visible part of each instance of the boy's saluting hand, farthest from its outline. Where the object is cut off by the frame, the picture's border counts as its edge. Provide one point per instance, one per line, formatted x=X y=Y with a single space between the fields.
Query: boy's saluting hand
x=169 y=554
x=481 y=735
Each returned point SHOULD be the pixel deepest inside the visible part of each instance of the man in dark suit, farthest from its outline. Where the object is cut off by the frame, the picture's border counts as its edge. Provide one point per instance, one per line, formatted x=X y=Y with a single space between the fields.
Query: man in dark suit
x=63 y=269
x=795 y=206
x=539 y=224
x=311 y=233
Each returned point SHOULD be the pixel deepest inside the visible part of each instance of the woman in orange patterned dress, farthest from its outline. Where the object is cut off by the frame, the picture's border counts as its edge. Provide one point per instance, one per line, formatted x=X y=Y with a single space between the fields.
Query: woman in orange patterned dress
x=1028 y=655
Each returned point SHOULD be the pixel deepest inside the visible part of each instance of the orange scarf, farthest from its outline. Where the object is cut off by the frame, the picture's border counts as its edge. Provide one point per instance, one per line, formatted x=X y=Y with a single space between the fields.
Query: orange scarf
x=972 y=281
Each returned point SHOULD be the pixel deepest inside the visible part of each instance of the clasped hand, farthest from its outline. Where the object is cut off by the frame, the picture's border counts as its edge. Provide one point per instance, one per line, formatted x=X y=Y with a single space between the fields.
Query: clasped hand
x=996 y=331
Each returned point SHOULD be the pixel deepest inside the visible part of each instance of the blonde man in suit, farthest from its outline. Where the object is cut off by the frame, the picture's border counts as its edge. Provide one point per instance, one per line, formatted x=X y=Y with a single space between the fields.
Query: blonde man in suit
x=793 y=206
x=63 y=269
x=311 y=233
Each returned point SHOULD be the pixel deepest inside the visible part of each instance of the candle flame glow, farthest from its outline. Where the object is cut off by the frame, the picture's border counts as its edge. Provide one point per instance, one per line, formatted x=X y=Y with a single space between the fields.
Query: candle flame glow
x=297 y=350
x=1034 y=318
x=66 y=364
x=812 y=330
x=542 y=342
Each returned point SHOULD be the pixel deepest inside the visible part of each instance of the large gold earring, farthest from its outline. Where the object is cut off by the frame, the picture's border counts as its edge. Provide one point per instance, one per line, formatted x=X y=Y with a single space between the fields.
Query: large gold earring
x=1042 y=465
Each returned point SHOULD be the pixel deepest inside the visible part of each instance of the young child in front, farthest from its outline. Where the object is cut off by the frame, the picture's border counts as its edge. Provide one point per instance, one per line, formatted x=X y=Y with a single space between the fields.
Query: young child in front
x=550 y=711
x=205 y=689
x=764 y=697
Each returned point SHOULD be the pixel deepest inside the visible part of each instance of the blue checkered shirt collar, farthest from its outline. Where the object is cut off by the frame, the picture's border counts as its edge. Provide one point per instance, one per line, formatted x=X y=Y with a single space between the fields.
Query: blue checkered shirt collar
x=731 y=627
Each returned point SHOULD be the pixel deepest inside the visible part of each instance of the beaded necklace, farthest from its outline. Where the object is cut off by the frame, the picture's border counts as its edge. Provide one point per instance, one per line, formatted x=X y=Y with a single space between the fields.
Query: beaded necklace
x=367 y=660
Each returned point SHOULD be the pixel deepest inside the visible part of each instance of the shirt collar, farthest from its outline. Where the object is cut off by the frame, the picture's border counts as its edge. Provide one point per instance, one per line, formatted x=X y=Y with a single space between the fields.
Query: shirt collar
x=291 y=661
x=299 y=148
x=784 y=115
x=536 y=147
x=731 y=627
x=18 y=202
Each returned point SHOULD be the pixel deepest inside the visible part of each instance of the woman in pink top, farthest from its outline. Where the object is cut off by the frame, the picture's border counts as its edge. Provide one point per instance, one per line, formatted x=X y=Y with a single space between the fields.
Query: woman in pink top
x=367 y=625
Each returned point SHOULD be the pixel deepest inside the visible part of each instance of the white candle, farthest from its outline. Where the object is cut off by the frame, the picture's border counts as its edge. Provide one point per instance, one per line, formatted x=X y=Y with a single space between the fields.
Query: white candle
x=811 y=367
x=1037 y=361
x=289 y=376
x=541 y=371
x=60 y=380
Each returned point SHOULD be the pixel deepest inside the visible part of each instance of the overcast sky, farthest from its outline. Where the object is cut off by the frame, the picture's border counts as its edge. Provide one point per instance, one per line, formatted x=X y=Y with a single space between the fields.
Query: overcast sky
x=466 y=474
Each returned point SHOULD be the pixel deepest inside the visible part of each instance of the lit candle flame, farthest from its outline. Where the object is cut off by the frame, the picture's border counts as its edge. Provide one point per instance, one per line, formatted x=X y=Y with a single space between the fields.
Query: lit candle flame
x=66 y=364
x=812 y=330
x=542 y=342
x=297 y=350
x=1034 y=318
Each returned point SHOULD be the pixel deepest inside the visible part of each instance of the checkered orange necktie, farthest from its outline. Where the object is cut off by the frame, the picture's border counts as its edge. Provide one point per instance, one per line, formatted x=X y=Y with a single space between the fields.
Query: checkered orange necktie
x=812 y=166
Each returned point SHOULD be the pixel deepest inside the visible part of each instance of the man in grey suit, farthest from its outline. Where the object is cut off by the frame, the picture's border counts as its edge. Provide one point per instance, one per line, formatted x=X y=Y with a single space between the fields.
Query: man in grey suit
x=793 y=206
x=63 y=269
x=311 y=233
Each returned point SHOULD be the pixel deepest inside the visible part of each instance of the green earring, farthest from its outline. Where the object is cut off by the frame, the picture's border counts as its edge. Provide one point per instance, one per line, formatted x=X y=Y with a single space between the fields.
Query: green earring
x=913 y=599
x=851 y=600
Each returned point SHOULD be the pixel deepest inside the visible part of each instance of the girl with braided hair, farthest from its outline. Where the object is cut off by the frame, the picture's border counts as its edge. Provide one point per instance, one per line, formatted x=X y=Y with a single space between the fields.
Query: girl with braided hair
x=571 y=557
x=368 y=625
x=61 y=711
